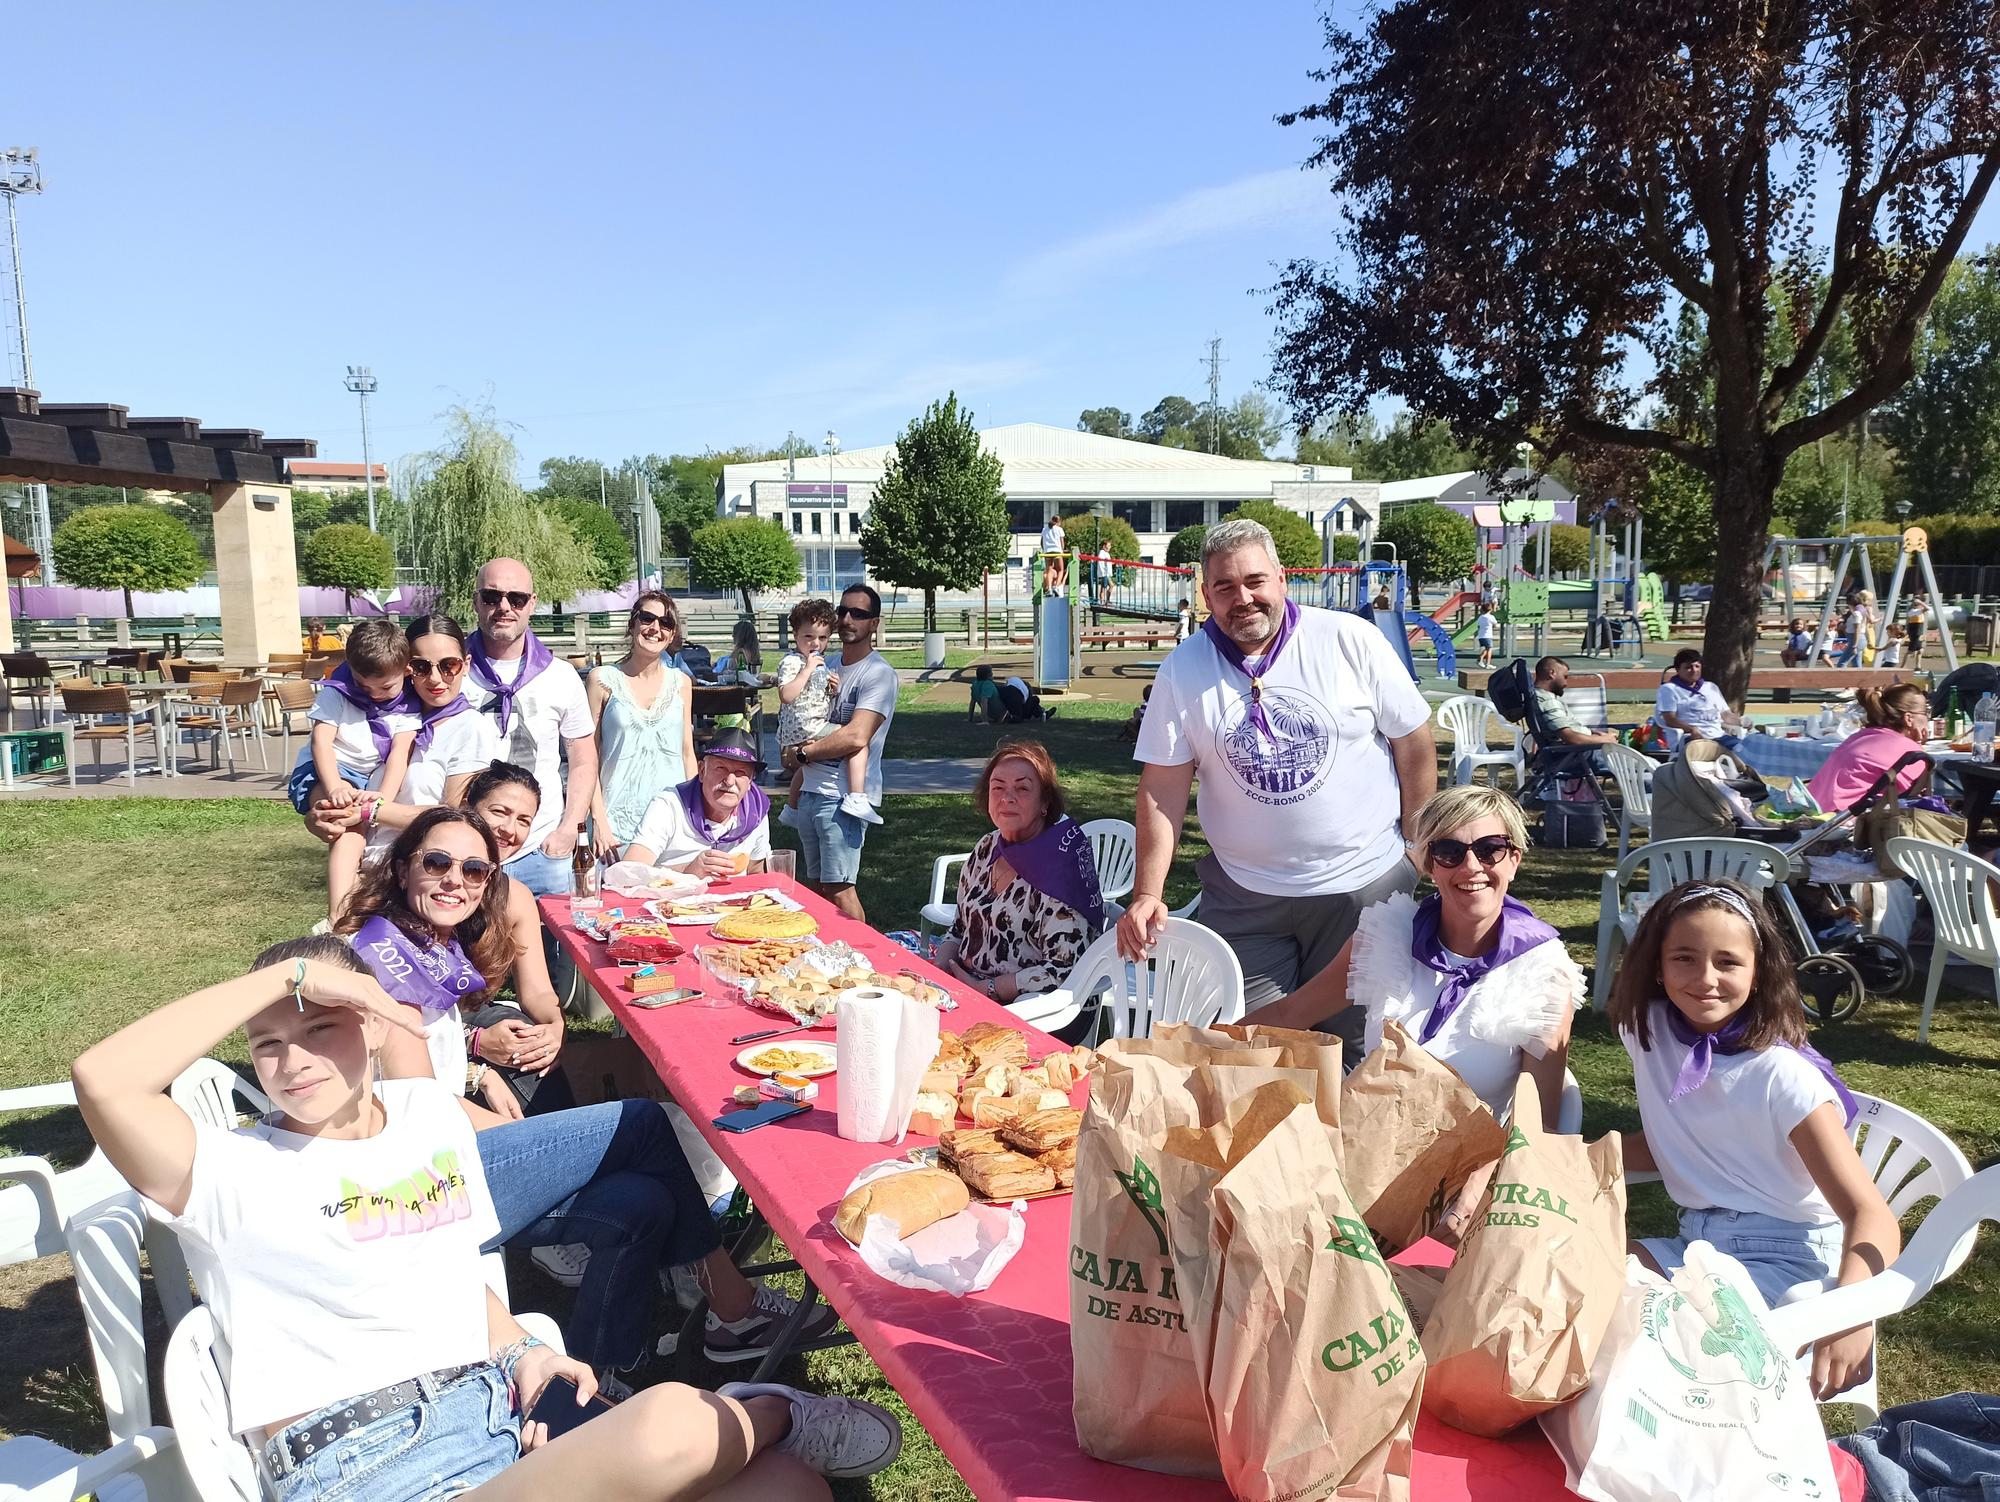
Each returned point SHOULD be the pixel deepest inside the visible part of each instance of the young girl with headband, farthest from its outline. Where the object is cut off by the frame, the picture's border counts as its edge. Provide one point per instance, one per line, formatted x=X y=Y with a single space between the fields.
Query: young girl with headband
x=1745 y=1121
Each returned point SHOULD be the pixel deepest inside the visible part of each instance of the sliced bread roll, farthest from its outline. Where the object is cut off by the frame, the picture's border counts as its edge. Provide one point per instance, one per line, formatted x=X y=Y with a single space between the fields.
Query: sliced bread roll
x=911 y=1201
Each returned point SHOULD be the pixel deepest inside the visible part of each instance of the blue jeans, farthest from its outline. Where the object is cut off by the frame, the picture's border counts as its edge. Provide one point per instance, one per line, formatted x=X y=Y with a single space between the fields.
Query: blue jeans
x=613 y=1178
x=449 y=1441
x=1939 y=1450
x=1778 y=1254
x=831 y=840
x=541 y=874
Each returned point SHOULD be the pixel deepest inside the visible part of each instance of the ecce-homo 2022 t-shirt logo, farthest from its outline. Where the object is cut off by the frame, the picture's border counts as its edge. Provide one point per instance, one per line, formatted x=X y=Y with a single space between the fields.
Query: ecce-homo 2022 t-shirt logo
x=1289 y=763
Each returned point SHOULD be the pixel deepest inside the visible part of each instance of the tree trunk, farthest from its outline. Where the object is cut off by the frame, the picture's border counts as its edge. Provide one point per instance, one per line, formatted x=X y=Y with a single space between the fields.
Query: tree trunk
x=748 y=608
x=1743 y=497
x=930 y=610
x=128 y=601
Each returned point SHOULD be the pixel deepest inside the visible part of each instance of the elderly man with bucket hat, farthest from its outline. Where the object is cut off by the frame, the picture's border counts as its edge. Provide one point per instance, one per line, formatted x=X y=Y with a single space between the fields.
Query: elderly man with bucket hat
x=714 y=824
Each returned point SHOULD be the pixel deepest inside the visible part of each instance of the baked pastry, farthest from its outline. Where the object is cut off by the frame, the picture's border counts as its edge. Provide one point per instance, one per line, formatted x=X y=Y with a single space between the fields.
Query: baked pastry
x=911 y=1201
x=968 y=1142
x=1061 y=1070
x=1039 y=1131
x=968 y=1101
x=1004 y=1176
x=765 y=923
x=1060 y=1161
x=933 y=1113
x=1032 y=1101
x=994 y=1110
x=989 y=1043
x=939 y=1082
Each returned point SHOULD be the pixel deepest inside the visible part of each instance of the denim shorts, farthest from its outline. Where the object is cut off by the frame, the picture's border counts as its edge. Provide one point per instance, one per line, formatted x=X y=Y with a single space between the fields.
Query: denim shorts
x=299 y=789
x=544 y=875
x=443 y=1445
x=1778 y=1254
x=831 y=840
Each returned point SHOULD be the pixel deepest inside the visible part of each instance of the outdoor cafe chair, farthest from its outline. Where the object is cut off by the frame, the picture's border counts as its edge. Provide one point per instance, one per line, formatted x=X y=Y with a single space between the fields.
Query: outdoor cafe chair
x=108 y=714
x=1667 y=863
x=225 y=709
x=1959 y=889
x=33 y=678
x=313 y=669
x=291 y=696
x=1469 y=718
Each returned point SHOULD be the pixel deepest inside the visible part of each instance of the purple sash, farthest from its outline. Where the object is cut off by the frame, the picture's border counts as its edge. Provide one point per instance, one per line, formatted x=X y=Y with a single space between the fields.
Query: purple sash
x=535 y=656
x=1727 y=1040
x=433 y=718
x=1268 y=659
x=431 y=977
x=749 y=814
x=1059 y=864
x=1520 y=931
x=341 y=681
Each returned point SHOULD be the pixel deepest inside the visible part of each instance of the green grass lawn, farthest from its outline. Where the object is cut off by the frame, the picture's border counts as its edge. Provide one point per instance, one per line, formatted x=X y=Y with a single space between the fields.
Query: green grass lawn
x=109 y=907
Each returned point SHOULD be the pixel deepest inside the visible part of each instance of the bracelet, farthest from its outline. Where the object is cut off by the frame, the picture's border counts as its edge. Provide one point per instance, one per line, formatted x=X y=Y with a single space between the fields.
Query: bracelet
x=478 y=1079
x=509 y=1356
x=298 y=984
x=472 y=1048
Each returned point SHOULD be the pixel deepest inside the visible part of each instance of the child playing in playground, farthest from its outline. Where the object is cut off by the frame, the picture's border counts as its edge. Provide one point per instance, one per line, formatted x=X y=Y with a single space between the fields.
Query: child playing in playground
x=985 y=696
x=1798 y=644
x=806 y=687
x=1484 y=629
x=363 y=722
x=1745 y=1122
x=1129 y=731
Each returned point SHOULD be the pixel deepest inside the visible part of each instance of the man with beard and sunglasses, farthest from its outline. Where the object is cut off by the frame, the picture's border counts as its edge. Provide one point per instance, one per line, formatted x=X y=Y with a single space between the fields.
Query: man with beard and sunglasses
x=1313 y=747
x=538 y=705
x=830 y=837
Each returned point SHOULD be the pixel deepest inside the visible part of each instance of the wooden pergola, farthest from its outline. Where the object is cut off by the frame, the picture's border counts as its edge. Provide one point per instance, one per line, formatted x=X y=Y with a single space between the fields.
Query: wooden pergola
x=243 y=473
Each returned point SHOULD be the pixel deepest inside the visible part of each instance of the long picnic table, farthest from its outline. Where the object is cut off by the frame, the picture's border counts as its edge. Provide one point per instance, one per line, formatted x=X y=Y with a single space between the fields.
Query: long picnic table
x=989 y=1376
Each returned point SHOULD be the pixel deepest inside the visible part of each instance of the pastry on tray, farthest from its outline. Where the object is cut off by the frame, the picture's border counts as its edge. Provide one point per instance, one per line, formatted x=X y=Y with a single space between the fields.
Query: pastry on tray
x=933 y=1113
x=1060 y=1161
x=989 y=1043
x=1002 y=1176
x=1042 y=1130
x=994 y=1110
x=968 y=1142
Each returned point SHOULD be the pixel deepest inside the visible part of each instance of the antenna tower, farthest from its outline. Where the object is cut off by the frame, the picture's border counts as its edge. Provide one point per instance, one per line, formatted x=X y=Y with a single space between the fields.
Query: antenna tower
x=1215 y=394
x=21 y=172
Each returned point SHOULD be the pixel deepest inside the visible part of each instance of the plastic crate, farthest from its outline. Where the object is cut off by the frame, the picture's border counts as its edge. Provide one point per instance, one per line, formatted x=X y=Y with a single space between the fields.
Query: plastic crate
x=32 y=752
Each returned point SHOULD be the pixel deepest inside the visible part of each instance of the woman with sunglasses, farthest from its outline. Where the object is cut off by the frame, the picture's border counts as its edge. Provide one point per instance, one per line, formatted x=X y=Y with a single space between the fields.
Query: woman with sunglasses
x=1469 y=972
x=645 y=730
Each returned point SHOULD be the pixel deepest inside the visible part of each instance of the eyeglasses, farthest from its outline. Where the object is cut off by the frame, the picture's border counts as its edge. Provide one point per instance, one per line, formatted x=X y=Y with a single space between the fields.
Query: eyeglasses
x=444 y=667
x=859 y=615
x=518 y=598
x=648 y=618
x=1491 y=849
x=474 y=868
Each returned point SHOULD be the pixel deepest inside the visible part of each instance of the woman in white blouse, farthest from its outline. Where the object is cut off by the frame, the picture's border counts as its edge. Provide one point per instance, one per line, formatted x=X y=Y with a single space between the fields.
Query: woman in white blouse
x=1469 y=972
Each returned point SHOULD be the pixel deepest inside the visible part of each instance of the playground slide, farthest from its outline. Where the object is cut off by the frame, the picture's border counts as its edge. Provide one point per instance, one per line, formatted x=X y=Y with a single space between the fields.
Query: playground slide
x=1449 y=608
x=1440 y=643
x=1399 y=636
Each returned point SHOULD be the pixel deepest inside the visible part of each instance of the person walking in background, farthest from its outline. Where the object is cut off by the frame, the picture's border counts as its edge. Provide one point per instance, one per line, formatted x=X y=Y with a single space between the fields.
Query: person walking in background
x=645 y=726
x=831 y=838
x=1312 y=746
x=1483 y=630
x=1913 y=634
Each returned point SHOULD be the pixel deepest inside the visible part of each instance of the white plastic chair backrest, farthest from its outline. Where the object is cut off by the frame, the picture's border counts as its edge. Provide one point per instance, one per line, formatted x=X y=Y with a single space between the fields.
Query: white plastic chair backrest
x=1191 y=976
x=32 y=1208
x=1668 y=863
x=1959 y=889
x=1569 y=1112
x=1114 y=845
x=1634 y=776
x=1909 y=1159
x=198 y=1402
x=208 y=1090
x=104 y=1241
x=1466 y=717
x=943 y=890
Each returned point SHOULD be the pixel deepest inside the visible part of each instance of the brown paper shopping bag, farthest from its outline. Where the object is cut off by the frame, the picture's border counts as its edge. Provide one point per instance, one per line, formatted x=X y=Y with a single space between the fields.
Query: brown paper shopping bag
x=1308 y=1365
x=1318 y=1052
x=1412 y=1132
x=1536 y=1280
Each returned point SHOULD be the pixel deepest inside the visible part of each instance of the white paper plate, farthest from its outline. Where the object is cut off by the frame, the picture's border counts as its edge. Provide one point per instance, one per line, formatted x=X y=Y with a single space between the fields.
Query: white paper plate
x=717 y=905
x=747 y=1058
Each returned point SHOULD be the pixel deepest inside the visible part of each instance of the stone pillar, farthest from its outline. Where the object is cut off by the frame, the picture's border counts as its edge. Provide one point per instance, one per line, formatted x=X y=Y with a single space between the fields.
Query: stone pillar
x=256 y=570
x=6 y=617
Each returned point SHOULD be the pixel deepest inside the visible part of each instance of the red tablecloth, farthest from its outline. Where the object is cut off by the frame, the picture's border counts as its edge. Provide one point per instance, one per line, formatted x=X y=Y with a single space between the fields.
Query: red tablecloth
x=989 y=1377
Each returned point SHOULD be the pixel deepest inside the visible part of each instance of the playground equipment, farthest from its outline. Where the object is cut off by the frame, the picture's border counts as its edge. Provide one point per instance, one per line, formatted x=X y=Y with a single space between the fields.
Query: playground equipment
x=1915 y=544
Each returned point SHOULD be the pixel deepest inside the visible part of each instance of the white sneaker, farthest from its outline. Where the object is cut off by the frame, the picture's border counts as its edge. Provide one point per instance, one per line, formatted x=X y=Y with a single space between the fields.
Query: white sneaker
x=683 y=1286
x=612 y=1386
x=748 y=1338
x=566 y=1263
x=834 y=1436
x=858 y=805
x=789 y=817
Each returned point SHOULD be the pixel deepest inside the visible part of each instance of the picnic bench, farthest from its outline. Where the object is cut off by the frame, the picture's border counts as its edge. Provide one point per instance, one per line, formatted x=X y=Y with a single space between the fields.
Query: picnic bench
x=1778 y=682
x=1139 y=636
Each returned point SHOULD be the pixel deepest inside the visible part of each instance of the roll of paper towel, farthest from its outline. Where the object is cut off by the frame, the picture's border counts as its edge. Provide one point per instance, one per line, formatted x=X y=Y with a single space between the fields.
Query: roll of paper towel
x=886 y=1041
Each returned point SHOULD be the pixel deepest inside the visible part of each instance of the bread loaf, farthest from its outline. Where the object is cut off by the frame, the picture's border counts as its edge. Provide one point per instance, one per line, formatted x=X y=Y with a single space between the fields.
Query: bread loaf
x=933 y=1113
x=911 y=1201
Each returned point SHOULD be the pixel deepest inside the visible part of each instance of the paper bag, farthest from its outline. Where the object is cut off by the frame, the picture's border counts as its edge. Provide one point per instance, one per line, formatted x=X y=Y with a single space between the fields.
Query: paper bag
x=1309 y=1368
x=1412 y=1132
x=1690 y=1397
x=1535 y=1282
x=1318 y=1052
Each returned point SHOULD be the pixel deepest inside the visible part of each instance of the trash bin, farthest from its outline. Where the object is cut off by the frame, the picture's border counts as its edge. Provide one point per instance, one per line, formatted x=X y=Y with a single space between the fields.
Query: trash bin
x=1979 y=633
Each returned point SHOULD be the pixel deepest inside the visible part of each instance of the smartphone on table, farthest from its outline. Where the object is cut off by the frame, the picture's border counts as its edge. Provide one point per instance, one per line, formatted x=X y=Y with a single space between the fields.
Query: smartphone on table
x=764 y=1115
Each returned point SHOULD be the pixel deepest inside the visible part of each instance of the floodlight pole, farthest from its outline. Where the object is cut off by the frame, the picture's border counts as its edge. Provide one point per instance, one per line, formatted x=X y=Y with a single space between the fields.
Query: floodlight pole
x=21 y=172
x=832 y=448
x=361 y=381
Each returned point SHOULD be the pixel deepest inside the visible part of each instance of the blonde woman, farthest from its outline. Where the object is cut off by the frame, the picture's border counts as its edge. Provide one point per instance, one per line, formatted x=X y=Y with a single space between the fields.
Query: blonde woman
x=645 y=732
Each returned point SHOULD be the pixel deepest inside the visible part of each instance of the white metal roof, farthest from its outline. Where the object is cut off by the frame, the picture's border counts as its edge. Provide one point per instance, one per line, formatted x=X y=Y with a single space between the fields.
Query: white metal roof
x=1423 y=488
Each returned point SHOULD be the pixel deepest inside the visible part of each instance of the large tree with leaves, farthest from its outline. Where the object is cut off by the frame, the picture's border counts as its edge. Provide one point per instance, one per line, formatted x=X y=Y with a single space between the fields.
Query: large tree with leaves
x=1532 y=189
x=126 y=548
x=347 y=557
x=939 y=516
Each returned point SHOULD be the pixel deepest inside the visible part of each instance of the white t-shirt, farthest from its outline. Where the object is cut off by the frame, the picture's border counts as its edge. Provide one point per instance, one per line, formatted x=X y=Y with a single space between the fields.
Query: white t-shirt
x=1484 y=627
x=1727 y=1145
x=867 y=684
x=1320 y=811
x=550 y=710
x=467 y=742
x=1702 y=709
x=665 y=831
x=353 y=742
x=1052 y=539
x=1517 y=1008
x=338 y=1267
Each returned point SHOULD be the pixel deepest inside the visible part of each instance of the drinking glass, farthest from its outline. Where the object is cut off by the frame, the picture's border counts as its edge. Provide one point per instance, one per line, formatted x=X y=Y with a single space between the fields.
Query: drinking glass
x=783 y=863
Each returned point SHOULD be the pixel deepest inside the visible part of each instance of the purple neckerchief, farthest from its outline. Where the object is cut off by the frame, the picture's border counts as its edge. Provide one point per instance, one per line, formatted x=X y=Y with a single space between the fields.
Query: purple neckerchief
x=1520 y=931
x=749 y=814
x=535 y=656
x=1266 y=660
x=341 y=681
x=427 y=732
x=1058 y=863
x=431 y=977
x=1727 y=1040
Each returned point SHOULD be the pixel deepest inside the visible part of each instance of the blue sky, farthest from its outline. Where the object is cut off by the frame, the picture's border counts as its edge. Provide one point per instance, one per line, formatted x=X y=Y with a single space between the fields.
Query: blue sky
x=645 y=227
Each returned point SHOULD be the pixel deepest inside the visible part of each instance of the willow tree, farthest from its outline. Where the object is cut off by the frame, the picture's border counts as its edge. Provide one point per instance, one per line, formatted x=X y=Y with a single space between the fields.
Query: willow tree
x=467 y=505
x=1533 y=190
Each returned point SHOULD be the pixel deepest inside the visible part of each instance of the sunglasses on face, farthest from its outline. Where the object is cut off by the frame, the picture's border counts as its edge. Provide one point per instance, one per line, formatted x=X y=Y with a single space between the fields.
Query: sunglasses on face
x=515 y=597
x=858 y=614
x=648 y=618
x=444 y=667
x=1491 y=849
x=475 y=869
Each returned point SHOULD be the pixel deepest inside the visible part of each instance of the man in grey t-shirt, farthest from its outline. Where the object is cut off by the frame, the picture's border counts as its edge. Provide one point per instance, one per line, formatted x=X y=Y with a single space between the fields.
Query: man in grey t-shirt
x=830 y=839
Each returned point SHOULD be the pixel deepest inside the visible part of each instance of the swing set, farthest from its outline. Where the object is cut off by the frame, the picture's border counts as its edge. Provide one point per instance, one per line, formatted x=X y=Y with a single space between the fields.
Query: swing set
x=1782 y=553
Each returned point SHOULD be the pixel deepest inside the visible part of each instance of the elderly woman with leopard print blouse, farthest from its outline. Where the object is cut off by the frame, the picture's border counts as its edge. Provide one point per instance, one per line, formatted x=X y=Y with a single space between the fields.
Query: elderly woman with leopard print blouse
x=1028 y=902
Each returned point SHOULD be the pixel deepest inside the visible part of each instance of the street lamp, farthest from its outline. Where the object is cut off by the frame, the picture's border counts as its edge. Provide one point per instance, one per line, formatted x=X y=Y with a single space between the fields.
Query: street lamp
x=21 y=172
x=832 y=448
x=361 y=381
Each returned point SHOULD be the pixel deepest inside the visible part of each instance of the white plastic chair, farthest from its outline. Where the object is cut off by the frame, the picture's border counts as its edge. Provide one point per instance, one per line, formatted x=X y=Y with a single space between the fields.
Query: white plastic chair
x=219 y=1464
x=1467 y=717
x=35 y=1210
x=1634 y=775
x=1668 y=863
x=1114 y=845
x=1940 y=1245
x=938 y=915
x=1960 y=890
x=1191 y=976
x=1569 y=1111
x=144 y=1468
